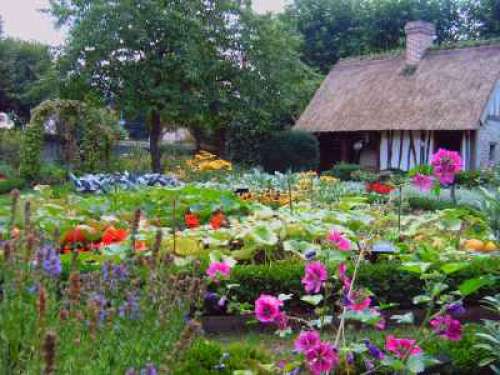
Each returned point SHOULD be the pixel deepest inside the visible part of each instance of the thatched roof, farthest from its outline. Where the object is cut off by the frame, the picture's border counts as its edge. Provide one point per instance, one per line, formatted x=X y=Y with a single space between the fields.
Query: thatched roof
x=448 y=90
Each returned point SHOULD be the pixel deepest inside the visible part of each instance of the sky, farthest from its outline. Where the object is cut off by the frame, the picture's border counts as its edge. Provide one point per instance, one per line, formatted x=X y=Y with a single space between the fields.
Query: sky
x=21 y=19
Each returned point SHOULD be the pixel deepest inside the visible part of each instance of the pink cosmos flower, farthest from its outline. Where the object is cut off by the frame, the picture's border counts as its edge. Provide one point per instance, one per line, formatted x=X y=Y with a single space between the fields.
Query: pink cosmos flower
x=447 y=327
x=338 y=240
x=422 y=182
x=267 y=308
x=306 y=341
x=446 y=164
x=402 y=348
x=322 y=358
x=315 y=277
x=218 y=269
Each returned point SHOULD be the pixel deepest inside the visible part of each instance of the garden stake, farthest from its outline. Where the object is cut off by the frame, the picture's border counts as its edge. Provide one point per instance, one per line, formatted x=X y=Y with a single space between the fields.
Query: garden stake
x=399 y=208
x=174 y=225
x=27 y=217
x=290 y=195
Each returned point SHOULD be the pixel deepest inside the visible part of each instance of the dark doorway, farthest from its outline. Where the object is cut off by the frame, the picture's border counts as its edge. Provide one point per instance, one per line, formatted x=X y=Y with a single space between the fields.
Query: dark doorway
x=448 y=139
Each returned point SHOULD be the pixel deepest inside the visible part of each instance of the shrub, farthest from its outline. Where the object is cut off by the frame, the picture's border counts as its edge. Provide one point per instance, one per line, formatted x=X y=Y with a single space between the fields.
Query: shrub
x=6 y=186
x=290 y=150
x=384 y=279
x=343 y=171
x=208 y=357
x=52 y=174
x=244 y=140
x=430 y=204
x=10 y=147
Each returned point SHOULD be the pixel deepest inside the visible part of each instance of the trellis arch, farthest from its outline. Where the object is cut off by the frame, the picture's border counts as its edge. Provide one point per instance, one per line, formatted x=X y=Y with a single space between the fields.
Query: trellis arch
x=84 y=133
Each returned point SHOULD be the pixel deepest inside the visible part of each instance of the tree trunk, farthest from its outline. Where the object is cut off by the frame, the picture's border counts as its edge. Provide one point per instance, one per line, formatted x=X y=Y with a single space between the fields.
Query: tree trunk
x=154 y=142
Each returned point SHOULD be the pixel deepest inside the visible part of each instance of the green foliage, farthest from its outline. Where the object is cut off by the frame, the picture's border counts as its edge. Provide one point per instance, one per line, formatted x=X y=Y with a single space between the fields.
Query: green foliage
x=10 y=147
x=86 y=135
x=27 y=76
x=343 y=171
x=290 y=150
x=244 y=139
x=432 y=204
x=385 y=279
x=206 y=357
x=52 y=174
x=6 y=186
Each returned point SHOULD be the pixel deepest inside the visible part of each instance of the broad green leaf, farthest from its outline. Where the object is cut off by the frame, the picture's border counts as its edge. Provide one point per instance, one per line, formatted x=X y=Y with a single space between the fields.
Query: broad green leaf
x=450 y=268
x=312 y=299
x=472 y=285
x=415 y=364
x=407 y=318
x=415 y=267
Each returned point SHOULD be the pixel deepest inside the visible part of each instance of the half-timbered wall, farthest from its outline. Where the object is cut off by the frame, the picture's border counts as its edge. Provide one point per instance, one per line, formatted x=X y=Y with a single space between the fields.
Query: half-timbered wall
x=405 y=149
x=488 y=135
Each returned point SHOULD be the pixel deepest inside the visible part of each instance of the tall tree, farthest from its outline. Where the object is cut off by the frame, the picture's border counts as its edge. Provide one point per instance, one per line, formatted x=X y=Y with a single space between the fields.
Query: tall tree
x=191 y=63
x=482 y=18
x=26 y=76
x=334 y=29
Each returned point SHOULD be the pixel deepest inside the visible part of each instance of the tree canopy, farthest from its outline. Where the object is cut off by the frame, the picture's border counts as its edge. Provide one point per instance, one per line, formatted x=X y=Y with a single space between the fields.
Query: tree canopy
x=192 y=63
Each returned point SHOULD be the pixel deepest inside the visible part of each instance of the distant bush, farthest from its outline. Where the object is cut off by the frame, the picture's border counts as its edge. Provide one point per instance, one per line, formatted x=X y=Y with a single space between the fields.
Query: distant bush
x=344 y=171
x=244 y=140
x=290 y=150
x=10 y=147
x=431 y=204
x=6 y=186
x=52 y=174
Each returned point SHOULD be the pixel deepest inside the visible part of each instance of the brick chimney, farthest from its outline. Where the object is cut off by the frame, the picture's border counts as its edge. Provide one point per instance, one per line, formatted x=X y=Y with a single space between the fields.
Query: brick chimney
x=419 y=37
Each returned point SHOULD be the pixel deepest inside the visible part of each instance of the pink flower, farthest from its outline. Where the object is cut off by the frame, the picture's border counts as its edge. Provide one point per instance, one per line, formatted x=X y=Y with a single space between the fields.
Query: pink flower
x=218 y=269
x=446 y=164
x=281 y=321
x=322 y=358
x=338 y=240
x=402 y=348
x=267 y=308
x=346 y=281
x=315 y=277
x=359 y=306
x=306 y=341
x=422 y=182
x=447 y=327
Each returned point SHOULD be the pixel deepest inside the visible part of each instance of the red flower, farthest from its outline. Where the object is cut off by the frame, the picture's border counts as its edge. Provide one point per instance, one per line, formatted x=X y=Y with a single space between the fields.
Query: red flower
x=218 y=220
x=75 y=236
x=191 y=220
x=140 y=246
x=113 y=235
x=379 y=188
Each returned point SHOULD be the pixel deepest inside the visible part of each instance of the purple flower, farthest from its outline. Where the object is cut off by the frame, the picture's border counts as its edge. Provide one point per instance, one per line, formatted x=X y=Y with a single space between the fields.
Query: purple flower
x=306 y=340
x=130 y=308
x=456 y=308
x=150 y=369
x=100 y=302
x=374 y=351
x=48 y=259
x=349 y=357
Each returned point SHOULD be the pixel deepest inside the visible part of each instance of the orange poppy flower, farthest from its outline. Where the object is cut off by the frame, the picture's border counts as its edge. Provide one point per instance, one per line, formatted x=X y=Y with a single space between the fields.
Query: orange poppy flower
x=218 y=220
x=191 y=220
x=140 y=246
x=113 y=235
x=74 y=236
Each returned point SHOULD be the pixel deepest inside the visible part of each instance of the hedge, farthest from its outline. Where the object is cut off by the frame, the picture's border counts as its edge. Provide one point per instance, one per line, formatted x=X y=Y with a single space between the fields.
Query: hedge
x=385 y=279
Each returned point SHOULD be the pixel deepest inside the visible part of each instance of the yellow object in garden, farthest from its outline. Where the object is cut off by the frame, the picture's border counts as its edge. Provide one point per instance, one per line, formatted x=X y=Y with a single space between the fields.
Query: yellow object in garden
x=490 y=246
x=205 y=161
x=474 y=245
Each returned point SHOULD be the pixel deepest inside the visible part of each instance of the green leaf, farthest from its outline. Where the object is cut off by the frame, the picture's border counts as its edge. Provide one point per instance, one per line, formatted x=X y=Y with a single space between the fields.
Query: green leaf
x=421 y=299
x=415 y=364
x=312 y=300
x=415 y=267
x=407 y=318
x=472 y=285
x=450 y=268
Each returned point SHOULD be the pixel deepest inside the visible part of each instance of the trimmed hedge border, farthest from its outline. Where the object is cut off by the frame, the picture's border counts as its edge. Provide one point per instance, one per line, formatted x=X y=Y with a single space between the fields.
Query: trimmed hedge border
x=388 y=283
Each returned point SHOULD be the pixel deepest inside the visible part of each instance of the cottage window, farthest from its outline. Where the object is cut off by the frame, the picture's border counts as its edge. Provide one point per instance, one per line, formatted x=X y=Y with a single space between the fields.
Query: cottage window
x=492 y=153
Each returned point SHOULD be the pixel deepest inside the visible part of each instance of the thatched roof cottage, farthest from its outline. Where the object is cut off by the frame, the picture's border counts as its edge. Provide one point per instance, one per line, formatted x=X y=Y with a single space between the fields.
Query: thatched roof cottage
x=395 y=111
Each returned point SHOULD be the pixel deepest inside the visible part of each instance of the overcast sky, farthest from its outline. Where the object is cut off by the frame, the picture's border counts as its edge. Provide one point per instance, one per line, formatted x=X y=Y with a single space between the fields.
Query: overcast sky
x=21 y=19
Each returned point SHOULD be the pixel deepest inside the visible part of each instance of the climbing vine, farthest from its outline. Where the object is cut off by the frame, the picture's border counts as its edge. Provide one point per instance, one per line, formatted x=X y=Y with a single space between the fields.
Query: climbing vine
x=85 y=134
